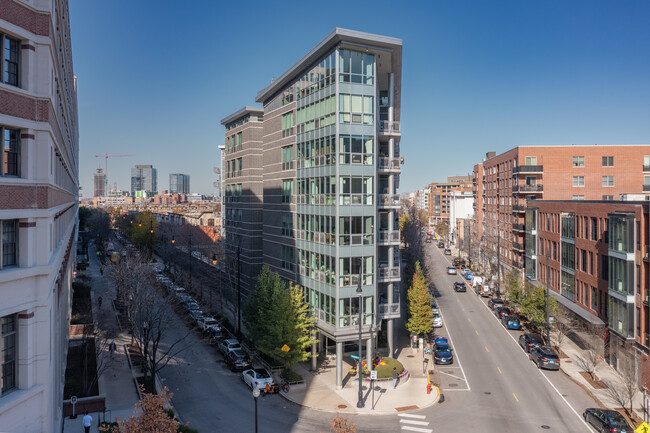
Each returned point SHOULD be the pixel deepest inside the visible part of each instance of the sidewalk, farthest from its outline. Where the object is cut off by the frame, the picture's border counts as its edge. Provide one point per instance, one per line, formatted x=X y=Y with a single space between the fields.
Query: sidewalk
x=116 y=382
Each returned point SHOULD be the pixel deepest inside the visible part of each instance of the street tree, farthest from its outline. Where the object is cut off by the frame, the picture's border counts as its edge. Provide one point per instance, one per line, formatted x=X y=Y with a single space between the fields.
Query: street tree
x=419 y=304
x=144 y=230
x=150 y=415
x=534 y=305
x=623 y=389
x=442 y=228
x=340 y=424
x=588 y=362
x=514 y=290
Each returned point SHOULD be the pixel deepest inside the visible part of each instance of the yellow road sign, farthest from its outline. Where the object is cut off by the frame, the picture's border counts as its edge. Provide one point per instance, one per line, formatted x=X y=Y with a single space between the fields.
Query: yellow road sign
x=285 y=348
x=643 y=428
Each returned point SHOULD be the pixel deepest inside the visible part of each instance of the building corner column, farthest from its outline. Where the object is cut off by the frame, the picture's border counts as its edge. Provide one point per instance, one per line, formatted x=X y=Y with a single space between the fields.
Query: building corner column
x=339 y=365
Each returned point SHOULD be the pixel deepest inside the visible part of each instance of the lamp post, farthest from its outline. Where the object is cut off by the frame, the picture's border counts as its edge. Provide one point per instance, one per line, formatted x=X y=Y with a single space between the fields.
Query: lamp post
x=360 y=293
x=548 y=303
x=256 y=394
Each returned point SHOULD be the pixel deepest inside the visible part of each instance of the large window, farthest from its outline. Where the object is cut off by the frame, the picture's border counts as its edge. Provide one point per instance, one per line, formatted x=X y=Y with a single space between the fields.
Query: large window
x=287 y=124
x=9 y=67
x=287 y=190
x=356 y=67
x=8 y=353
x=9 y=248
x=287 y=157
x=349 y=311
x=608 y=181
x=578 y=181
x=356 y=149
x=350 y=268
x=608 y=161
x=356 y=230
x=356 y=109
x=578 y=161
x=287 y=225
x=356 y=190
x=10 y=156
x=287 y=260
x=531 y=160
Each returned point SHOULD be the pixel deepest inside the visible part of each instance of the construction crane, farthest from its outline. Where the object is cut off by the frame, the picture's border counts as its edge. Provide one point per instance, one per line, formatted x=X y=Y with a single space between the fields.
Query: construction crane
x=106 y=156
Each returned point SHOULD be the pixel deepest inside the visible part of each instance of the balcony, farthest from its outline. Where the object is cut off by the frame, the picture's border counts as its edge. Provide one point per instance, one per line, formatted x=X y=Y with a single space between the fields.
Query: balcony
x=517 y=246
x=388 y=311
x=519 y=208
x=387 y=127
x=529 y=169
x=527 y=188
x=387 y=201
x=388 y=237
x=388 y=275
x=388 y=165
x=518 y=227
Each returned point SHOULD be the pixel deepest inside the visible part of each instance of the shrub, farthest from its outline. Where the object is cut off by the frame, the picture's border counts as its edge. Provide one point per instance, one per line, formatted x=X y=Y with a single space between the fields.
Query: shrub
x=290 y=376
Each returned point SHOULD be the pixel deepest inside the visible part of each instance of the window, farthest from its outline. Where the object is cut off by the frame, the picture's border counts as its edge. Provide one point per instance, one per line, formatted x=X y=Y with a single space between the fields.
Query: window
x=578 y=181
x=608 y=161
x=594 y=299
x=578 y=197
x=356 y=109
x=531 y=160
x=9 y=248
x=10 y=157
x=287 y=190
x=238 y=165
x=8 y=353
x=608 y=197
x=287 y=225
x=287 y=258
x=356 y=190
x=10 y=49
x=608 y=180
x=287 y=124
x=356 y=149
x=646 y=163
x=287 y=157
x=356 y=230
x=356 y=67
x=578 y=161
x=594 y=229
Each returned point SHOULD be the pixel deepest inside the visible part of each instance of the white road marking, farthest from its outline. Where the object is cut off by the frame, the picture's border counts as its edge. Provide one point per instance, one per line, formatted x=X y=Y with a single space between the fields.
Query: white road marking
x=455 y=377
x=457 y=357
x=408 y=421
x=409 y=415
x=422 y=430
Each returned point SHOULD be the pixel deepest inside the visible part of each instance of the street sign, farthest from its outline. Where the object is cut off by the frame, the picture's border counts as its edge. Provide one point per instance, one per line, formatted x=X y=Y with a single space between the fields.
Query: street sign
x=373 y=374
x=643 y=428
x=285 y=348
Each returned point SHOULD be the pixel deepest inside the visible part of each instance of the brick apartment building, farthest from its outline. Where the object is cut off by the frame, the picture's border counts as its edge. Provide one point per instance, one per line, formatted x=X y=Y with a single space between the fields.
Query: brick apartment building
x=440 y=197
x=594 y=256
x=311 y=185
x=39 y=185
x=504 y=183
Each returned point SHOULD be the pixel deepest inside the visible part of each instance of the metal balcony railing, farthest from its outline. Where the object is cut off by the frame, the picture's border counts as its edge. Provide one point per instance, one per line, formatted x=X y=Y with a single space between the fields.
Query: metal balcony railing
x=518 y=208
x=388 y=274
x=388 y=236
x=646 y=187
x=385 y=163
x=527 y=188
x=518 y=227
x=518 y=246
x=529 y=169
x=646 y=167
x=388 y=200
x=388 y=127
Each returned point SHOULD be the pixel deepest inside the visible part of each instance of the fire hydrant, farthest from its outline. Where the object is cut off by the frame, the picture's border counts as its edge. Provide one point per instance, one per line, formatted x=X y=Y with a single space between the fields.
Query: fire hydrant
x=428 y=388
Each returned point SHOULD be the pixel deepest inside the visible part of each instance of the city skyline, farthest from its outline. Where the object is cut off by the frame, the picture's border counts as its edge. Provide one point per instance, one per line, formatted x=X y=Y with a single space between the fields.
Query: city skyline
x=573 y=74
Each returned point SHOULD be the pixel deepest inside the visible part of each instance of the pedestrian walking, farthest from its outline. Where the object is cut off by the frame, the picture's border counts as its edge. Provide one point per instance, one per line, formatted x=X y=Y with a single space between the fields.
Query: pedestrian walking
x=88 y=420
x=111 y=348
x=395 y=377
x=99 y=301
x=101 y=270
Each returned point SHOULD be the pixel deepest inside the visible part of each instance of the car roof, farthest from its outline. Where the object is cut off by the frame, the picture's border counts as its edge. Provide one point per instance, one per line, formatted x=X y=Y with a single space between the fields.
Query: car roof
x=231 y=340
x=238 y=351
x=532 y=336
x=547 y=350
x=261 y=371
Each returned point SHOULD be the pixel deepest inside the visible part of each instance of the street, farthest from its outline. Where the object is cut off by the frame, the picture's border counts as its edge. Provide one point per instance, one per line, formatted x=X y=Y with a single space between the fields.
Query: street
x=493 y=387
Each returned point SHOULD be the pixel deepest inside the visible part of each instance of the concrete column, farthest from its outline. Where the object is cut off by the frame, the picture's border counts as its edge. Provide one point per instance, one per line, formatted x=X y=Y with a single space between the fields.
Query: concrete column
x=369 y=352
x=314 y=353
x=391 y=337
x=339 y=364
x=391 y=98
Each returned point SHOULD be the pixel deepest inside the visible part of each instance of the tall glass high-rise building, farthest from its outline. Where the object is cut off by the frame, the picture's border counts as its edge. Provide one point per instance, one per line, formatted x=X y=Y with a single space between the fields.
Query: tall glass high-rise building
x=144 y=179
x=321 y=158
x=179 y=183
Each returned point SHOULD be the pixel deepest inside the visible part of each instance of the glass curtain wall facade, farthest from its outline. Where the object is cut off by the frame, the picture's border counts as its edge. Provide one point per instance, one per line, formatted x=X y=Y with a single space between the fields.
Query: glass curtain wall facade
x=567 y=256
x=621 y=274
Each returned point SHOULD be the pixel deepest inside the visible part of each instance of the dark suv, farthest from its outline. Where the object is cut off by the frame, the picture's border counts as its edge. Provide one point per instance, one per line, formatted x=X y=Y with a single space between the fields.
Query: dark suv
x=527 y=341
x=545 y=357
x=238 y=360
x=460 y=286
x=607 y=420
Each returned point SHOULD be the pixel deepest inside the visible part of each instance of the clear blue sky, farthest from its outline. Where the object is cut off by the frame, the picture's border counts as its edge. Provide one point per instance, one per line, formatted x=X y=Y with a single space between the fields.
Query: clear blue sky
x=156 y=76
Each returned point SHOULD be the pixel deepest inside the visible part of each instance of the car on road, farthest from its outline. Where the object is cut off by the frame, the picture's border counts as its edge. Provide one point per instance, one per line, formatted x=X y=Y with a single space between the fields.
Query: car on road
x=196 y=315
x=460 y=286
x=428 y=240
x=437 y=321
x=215 y=335
x=442 y=352
x=441 y=244
x=229 y=344
x=530 y=340
x=237 y=360
x=495 y=302
x=434 y=307
x=447 y=252
x=545 y=357
x=511 y=322
x=469 y=275
x=502 y=311
x=451 y=270
x=208 y=323
x=607 y=420
x=192 y=305
x=257 y=377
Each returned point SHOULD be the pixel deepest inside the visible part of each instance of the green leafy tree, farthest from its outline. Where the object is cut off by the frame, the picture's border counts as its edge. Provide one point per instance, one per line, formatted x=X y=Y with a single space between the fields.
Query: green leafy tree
x=144 y=230
x=534 y=305
x=514 y=289
x=419 y=304
x=277 y=315
x=442 y=228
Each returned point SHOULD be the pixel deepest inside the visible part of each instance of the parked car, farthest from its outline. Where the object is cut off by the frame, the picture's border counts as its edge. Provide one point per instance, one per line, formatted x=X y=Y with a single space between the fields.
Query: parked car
x=460 y=286
x=257 y=377
x=502 y=311
x=208 y=323
x=229 y=344
x=434 y=307
x=451 y=270
x=469 y=275
x=442 y=352
x=511 y=322
x=428 y=240
x=215 y=335
x=545 y=357
x=192 y=305
x=183 y=297
x=196 y=315
x=495 y=302
x=437 y=321
x=529 y=341
x=237 y=360
x=484 y=291
x=447 y=252
x=441 y=244
x=607 y=420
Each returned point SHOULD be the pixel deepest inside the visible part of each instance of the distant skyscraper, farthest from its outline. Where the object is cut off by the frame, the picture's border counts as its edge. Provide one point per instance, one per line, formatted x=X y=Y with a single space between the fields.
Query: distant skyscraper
x=144 y=178
x=100 y=183
x=179 y=183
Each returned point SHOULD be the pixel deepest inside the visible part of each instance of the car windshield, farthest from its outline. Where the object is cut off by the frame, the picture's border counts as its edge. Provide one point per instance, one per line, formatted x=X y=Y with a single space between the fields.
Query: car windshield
x=442 y=347
x=262 y=374
x=550 y=354
x=513 y=320
x=238 y=352
x=535 y=338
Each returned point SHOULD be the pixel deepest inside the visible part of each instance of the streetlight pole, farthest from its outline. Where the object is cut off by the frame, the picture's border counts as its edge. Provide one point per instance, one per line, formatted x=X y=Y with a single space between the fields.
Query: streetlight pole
x=256 y=393
x=548 y=303
x=360 y=293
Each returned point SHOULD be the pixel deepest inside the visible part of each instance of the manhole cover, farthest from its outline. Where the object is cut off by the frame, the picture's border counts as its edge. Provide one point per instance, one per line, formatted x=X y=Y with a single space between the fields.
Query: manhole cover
x=487 y=393
x=410 y=356
x=342 y=406
x=568 y=361
x=545 y=427
x=452 y=385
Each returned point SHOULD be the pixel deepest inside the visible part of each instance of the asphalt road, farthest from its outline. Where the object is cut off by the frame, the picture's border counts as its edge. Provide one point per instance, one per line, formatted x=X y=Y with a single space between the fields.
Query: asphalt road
x=494 y=387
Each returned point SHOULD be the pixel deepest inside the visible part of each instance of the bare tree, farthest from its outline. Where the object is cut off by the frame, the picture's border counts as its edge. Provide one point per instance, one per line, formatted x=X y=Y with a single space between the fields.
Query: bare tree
x=561 y=329
x=588 y=362
x=624 y=389
x=342 y=425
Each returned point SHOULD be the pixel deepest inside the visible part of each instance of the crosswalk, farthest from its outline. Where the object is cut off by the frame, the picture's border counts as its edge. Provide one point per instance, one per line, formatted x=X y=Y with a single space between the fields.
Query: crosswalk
x=411 y=422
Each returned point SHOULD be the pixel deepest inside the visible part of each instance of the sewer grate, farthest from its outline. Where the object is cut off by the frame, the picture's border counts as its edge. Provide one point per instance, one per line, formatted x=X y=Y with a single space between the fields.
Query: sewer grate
x=487 y=393
x=342 y=406
x=453 y=385
x=545 y=427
